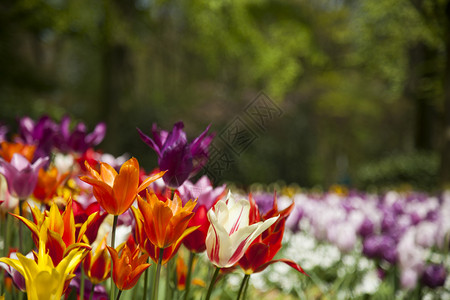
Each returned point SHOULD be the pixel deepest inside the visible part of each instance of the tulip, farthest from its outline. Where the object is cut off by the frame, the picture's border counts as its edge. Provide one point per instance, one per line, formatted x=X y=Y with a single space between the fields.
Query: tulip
x=82 y=214
x=117 y=191
x=128 y=267
x=16 y=276
x=91 y=291
x=166 y=223
x=7 y=150
x=47 y=184
x=8 y=202
x=90 y=157
x=382 y=247
x=41 y=133
x=206 y=197
x=230 y=234
x=21 y=175
x=182 y=278
x=43 y=280
x=181 y=269
x=434 y=276
x=203 y=191
x=97 y=265
x=147 y=246
x=60 y=230
x=181 y=159
x=261 y=252
x=78 y=140
x=196 y=241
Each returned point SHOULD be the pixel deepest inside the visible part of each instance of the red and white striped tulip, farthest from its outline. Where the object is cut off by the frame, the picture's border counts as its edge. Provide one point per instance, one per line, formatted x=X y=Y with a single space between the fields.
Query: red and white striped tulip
x=230 y=234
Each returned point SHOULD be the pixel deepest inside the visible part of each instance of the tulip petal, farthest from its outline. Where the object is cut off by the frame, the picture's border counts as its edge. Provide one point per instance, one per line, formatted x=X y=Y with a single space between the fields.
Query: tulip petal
x=91 y=170
x=149 y=180
x=14 y=263
x=33 y=227
x=134 y=276
x=149 y=142
x=107 y=174
x=290 y=263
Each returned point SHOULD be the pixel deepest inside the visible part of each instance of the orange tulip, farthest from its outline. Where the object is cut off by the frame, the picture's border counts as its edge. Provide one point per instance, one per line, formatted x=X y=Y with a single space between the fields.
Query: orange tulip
x=182 y=270
x=114 y=191
x=128 y=267
x=47 y=184
x=147 y=246
x=165 y=223
x=8 y=149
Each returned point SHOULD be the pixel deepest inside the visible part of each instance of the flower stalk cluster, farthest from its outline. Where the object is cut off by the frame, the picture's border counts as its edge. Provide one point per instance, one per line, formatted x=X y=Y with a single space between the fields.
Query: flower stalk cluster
x=92 y=217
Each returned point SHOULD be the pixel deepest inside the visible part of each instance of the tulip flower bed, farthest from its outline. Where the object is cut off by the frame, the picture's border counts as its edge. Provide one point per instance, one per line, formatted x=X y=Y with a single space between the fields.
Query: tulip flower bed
x=80 y=224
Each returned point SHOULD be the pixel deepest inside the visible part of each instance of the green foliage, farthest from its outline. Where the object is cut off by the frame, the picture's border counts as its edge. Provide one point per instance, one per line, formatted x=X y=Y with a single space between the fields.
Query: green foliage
x=417 y=170
x=341 y=71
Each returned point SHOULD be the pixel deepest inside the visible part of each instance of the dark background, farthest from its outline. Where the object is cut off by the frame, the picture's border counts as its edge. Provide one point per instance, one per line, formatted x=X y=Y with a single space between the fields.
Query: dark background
x=361 y=86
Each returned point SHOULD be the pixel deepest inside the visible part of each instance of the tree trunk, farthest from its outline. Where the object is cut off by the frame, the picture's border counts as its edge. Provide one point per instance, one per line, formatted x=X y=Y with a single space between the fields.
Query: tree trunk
x=117 y=79
x=422 y=69
x=445 y=154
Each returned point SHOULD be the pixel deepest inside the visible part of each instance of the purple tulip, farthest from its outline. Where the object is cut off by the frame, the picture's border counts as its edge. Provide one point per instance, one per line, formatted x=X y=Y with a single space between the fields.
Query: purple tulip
x=434 y=276
x=382 y=247
x=415 y=218
x=293 y=221
x=20 y=175
x=366 y=228
x=181 y=159
x=41 y=133
x=17 y=278
x=202 y=190
x=79 y=140
x=99 y=290
x=388 y=221
x=264 y=201
x=432 y=215
x=397 y=207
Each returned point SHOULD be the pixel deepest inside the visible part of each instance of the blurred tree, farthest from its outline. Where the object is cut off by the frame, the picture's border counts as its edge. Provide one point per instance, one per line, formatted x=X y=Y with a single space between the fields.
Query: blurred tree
x=356 y=80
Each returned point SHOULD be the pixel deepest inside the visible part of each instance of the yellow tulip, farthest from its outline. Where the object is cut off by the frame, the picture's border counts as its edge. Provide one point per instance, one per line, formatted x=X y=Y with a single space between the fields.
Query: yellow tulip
x=43 y=280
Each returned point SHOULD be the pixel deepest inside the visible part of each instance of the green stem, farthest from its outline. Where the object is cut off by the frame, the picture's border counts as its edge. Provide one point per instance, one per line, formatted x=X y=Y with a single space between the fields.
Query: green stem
x=211 y=284
x=118 y=295
x=2 y=278
x=5 y=249
x=82 y=284
x=21 y=201
x=243 y=286
x=189 y=274
x=92 y=292
x=113 y=239
x=144 y=297
x=113 y=243
x=151 y=275
x=5 y=237
x=244 y=296
x=168 y=271
x=157 y=274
